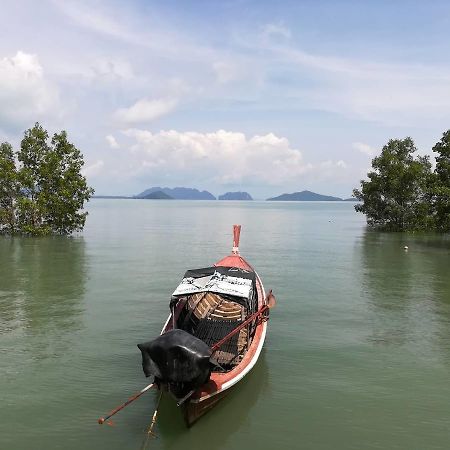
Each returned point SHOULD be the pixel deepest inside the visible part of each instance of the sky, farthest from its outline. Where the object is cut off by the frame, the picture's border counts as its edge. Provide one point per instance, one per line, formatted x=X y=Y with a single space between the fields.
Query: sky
x=256 y=96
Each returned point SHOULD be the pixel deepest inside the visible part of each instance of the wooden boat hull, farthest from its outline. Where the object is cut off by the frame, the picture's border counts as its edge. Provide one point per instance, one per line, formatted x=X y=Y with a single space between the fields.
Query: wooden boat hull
x=205 y=398
x=219 y=384
x=192 y=411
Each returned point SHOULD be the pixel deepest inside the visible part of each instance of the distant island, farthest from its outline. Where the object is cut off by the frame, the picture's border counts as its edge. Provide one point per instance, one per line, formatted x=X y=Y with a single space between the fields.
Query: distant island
x=305 y=196
x=183 y=193
x=157 y=195
x=235 y=196
x=178 y=193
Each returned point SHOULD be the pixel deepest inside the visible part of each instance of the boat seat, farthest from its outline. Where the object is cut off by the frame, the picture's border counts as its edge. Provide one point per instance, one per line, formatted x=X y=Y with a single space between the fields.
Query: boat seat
x=208 y=304
x=212 y=317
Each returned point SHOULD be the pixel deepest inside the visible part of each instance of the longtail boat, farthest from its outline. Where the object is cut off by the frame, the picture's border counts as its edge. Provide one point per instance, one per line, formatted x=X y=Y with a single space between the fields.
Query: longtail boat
x=213 y=336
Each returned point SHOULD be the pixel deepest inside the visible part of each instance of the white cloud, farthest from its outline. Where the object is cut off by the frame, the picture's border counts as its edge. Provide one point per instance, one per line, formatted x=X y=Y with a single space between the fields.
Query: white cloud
x=252 y=78
x=112 y=141
x=357 y=88
x=221 y=157
x=112 y=68
x=275 y=30
x=25 y=94
x=118 y=23
x=393 y=94
x=330 y=169
x=93 y=169
x=94 y=20
x=225 y=71
x=145 y=110
x=364 y=148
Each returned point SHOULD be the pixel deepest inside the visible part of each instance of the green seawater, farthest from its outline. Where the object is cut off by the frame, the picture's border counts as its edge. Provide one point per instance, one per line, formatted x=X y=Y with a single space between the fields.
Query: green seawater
x=357 y=354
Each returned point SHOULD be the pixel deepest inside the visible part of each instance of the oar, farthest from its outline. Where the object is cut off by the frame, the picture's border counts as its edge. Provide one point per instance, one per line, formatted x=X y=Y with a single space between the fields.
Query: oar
x=270 y=303
x=131 y=399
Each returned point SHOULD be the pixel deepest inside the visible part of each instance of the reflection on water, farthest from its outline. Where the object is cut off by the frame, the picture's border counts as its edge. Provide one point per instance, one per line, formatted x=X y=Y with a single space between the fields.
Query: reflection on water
x=357 y=353
x=386 y=264
x=224 y=420
x=408 y=289
x=434 y=241
x=41 y=284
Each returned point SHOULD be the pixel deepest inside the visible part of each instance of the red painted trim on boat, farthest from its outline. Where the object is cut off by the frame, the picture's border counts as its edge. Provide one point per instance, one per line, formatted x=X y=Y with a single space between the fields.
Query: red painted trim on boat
x=220 y=382
x=234 y=261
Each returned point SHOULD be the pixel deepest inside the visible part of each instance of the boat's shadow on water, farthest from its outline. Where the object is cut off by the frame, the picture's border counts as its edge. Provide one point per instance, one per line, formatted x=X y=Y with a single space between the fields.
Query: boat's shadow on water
x=218 y=425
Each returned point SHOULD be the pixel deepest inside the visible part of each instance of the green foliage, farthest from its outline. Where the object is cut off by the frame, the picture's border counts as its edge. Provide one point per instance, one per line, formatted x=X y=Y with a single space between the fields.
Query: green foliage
x=9 y=188
x=46 y=193
x=396 y=196
x=440 y=188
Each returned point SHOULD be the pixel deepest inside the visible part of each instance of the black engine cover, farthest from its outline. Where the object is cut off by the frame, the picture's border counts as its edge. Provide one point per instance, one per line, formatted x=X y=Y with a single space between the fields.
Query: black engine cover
x=177 y=359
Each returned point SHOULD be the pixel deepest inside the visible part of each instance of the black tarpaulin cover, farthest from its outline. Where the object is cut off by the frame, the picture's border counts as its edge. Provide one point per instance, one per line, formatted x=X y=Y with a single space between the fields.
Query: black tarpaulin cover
x=178 y=359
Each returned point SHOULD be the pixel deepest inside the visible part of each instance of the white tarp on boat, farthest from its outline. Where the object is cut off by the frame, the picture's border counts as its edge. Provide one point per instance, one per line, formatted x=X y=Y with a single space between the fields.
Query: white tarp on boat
x=217 y=283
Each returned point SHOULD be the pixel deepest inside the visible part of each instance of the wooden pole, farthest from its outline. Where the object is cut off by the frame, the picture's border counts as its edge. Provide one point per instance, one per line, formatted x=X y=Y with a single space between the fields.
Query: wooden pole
x=102 y=420
x=155 y=414
x=236 y=236
x=152 y=424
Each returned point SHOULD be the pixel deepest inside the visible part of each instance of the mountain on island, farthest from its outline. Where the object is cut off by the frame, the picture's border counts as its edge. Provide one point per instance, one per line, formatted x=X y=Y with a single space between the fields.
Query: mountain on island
x=235 y=196
x=305 y=196
x=157 y=195
x=179 y=193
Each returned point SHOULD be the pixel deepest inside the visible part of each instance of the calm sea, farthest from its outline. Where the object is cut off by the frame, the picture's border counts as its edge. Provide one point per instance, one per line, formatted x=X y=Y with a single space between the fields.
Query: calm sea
x=357 y=354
